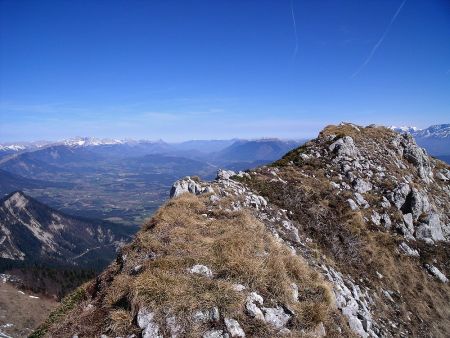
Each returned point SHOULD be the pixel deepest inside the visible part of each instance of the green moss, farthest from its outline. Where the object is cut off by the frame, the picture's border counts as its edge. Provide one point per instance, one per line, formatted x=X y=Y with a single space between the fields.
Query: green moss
x=67 y=304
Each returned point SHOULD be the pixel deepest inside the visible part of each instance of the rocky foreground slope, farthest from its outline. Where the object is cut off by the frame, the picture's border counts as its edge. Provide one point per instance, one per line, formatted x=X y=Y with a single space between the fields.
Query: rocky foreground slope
x=344 y=236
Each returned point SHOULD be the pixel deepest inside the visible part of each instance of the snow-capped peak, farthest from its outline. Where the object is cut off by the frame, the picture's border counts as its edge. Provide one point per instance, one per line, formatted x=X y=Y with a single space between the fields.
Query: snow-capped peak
x=90 y=141
x=12 y=147
x=435 y=131
x=404 y=129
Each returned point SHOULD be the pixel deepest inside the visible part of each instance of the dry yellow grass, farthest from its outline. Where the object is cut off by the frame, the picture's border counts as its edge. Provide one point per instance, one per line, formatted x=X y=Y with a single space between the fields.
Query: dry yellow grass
x=238 y=249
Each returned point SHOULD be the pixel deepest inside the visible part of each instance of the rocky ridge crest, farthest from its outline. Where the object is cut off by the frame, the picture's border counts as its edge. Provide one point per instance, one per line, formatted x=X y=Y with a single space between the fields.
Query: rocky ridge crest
x=345 y=236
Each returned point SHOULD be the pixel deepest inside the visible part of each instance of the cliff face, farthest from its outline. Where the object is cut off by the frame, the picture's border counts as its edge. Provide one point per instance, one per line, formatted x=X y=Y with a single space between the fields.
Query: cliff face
x=345 y=236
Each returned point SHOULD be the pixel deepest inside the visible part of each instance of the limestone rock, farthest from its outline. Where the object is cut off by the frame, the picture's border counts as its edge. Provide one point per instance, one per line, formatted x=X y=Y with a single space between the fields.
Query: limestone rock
x=215 y=334
x=276 y=317
x=234 y=328
x=352 y=204
x=185 y=185
x=251 y=306
x=201 y=270
x=344 y=147
x=398 y=196
x=431 y=228
x=407 y=250
x=224 y=174
x=361 y=185
x=436 y=273
x=145 y=320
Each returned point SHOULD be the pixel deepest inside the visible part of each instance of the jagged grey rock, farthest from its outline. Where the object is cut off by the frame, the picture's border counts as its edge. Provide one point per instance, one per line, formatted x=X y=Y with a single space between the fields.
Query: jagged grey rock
x=174 y=327
x=419 y=203
x=224 y=174
x=294 y=289
x=344 y=147
x=398 y=196
x=361 y=185
x=234 y=328
x=353 y=302
x=360 y=200
x=408 y=220
x=185 y=185
x=431 y=228
x=145 y=320
x=352 y=204
x=276 y=317
x=252 y=308
x=376 y=218
x=386 y=221
x=436 y=273
x=407 y=250
x=215 y=334
x=204 y=316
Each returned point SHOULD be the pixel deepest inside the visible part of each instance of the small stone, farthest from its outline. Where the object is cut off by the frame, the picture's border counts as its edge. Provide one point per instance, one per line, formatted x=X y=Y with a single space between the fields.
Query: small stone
x=407 y=250
x=319 y=331
x=436 y=273
x=294 y=289
x=214 y=334
x=276 y=317
x=234 y=328
x=145 y=320
x=252 y=309
x=408 y=219
x=362 y=186
x=201 y=270
x=238 y=287
x=360 y=200
x=352 y=204
x=376 y=218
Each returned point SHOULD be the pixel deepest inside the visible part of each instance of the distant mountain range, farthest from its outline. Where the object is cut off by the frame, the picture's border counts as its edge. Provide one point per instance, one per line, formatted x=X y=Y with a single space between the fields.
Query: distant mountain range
x=435 y=139
x=33 y=232
x=122 y=180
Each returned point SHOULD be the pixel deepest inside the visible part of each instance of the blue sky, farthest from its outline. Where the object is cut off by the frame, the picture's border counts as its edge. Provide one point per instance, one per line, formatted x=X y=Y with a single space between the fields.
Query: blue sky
x=193 y=69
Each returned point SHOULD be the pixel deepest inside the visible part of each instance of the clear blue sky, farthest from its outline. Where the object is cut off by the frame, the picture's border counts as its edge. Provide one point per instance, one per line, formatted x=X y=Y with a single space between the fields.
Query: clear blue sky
x=219 y=69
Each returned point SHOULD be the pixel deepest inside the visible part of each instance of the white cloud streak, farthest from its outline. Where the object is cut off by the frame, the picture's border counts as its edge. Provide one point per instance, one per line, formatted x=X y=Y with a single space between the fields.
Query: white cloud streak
x=294 y=24
x=380 y=41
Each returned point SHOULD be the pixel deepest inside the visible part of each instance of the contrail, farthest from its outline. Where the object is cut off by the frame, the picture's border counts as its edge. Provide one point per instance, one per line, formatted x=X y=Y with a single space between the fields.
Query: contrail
x=380 y=41
x=295 y=30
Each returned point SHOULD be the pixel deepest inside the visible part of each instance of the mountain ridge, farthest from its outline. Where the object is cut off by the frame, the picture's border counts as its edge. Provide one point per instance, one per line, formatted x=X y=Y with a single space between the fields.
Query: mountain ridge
x=346 y=235
x=34 y=232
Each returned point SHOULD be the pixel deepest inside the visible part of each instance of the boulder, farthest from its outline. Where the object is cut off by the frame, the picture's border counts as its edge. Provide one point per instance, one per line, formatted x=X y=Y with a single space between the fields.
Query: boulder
x=224 y=174
x=185 y=185
x=398 y=196
x=344 y=147
x=431 y=228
